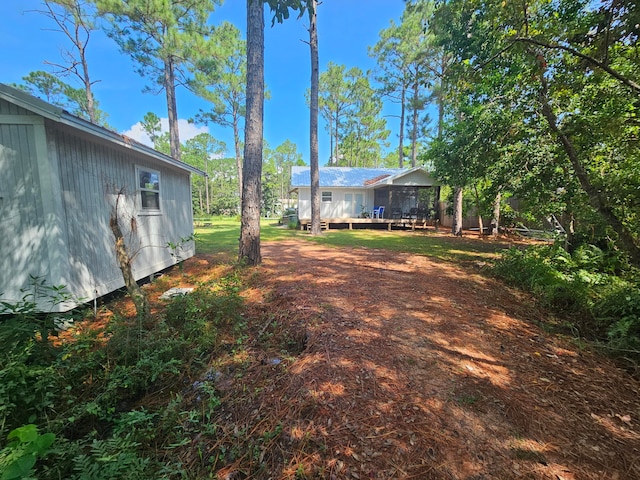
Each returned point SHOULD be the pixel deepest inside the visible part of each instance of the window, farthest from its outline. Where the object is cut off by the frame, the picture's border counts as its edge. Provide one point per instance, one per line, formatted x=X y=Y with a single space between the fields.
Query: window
x=326 y=197
x=149 y=188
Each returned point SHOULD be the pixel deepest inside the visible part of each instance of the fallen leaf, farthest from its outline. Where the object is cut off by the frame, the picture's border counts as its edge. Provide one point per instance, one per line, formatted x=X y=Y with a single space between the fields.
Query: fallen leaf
x=625 y=418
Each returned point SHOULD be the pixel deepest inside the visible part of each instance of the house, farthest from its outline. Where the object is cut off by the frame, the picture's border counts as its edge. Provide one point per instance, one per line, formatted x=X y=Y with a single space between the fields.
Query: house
x=60 y=180
x=353 y=193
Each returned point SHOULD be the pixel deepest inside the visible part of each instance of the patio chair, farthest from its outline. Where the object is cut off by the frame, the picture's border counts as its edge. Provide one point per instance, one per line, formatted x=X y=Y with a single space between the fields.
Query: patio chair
x=377 y=212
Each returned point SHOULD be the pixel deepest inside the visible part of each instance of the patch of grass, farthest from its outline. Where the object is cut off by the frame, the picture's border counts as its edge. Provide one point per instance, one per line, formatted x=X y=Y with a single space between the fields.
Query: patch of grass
x=222 y=237
x=421 y=243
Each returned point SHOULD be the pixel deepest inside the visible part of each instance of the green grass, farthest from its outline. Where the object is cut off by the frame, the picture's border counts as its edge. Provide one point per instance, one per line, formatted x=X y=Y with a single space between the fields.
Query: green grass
x=222 y=238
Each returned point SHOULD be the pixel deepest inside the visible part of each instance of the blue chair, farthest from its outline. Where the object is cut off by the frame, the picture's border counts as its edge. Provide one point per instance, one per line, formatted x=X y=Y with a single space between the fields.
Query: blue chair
x=377 y=212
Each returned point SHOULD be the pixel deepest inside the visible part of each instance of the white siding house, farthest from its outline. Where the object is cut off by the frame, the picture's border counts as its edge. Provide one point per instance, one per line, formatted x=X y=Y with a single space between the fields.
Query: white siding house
x=354 y=192
x=60 y=177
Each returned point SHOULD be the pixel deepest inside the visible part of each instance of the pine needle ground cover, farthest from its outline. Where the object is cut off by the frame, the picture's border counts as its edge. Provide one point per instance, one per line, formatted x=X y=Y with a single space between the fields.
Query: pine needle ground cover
x=328 y=361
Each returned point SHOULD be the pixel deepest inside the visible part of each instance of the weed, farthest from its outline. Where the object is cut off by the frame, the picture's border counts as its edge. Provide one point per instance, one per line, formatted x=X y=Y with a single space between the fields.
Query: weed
x=593 y=291
x=25 y=446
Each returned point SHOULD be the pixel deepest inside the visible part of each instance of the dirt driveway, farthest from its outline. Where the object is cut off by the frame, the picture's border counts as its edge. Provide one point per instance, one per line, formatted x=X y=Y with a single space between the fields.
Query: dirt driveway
x=413 y=368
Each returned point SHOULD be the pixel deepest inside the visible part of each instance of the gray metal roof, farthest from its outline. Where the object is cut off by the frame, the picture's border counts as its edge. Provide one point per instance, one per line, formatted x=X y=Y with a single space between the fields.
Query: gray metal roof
x=342 y=176
x=57 y=114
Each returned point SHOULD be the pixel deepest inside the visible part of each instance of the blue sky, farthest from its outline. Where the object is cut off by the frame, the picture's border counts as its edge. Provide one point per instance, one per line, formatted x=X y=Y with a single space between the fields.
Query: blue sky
x=345 y=29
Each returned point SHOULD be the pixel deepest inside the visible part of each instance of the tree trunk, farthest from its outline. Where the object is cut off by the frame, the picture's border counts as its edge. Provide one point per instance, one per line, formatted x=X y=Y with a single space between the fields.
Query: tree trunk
x=206 y=188
x=597 y=199
x=236 y=144
x=249 y=250
x=124 y=262
x=336 y=141
x=403 y=99
x=440 y=97
x=495 y=221
x=456 y=226
x=479 y=211
x=332 y=159
x=172 y=108
x=91 y=110
x=315 y=173
x=414 y=133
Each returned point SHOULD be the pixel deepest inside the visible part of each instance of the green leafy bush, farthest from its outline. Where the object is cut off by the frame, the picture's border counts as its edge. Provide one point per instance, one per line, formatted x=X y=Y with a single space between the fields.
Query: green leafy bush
x=25 y=446
x=27 y=387
x=594 y=288
x=86 y=391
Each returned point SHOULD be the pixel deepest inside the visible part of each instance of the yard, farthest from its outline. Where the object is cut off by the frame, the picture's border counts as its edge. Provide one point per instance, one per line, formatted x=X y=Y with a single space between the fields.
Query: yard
x=354 y=355
x=404 y=361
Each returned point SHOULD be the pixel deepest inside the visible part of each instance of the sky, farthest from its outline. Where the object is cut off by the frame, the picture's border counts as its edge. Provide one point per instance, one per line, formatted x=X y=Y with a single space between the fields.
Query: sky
x=345 y=29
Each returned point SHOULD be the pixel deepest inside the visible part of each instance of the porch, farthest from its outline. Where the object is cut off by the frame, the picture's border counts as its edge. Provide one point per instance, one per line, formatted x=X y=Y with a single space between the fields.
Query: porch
x=379 y=223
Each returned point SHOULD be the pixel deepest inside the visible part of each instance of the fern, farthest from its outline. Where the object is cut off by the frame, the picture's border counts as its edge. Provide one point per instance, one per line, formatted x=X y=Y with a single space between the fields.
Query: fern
x=113 y=458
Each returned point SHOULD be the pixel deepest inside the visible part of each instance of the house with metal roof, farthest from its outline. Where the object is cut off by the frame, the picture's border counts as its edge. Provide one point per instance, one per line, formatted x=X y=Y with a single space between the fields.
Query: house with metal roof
x=61 y=178
x=368 y=195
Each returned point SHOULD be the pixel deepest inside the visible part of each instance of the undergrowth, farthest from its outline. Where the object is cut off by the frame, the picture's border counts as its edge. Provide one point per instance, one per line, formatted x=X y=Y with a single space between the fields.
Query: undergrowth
x=73 y=409
x=595 y=290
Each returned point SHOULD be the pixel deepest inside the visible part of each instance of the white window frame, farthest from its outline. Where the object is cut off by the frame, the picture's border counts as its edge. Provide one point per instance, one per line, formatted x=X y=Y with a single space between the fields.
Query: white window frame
x=327 y=197
x=143 y=190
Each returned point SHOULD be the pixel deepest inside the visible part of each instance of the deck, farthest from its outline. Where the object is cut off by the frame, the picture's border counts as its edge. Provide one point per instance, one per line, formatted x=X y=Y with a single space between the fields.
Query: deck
x=388 y=223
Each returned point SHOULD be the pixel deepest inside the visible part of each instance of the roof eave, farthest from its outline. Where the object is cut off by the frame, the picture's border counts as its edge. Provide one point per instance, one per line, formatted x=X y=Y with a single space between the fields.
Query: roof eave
x=125 y=142
x=58 y=115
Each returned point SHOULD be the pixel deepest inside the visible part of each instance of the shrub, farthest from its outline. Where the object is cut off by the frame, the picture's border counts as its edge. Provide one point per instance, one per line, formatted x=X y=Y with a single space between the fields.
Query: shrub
x=594 y=288
x=25 y=446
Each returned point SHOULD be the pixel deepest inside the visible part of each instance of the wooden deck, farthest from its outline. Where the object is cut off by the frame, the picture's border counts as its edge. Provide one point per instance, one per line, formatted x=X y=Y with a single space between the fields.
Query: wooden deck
x=388 y=223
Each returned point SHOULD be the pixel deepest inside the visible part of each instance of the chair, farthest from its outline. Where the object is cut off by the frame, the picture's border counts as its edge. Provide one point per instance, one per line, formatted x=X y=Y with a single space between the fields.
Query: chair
x=377 y=212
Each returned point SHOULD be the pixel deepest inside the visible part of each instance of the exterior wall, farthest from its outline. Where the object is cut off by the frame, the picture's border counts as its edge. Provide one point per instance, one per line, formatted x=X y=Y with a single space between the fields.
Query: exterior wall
x=339 y=207
x=57 y=190
x=30 y=224
x=94 y=176
x=417 y=178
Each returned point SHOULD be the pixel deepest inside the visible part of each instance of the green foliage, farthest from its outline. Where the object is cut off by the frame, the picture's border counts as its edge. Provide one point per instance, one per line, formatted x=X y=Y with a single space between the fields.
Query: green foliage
x=24 y=448
x=276 y=176
x=198 y=315
x=28 y=378
x=53 y=90
x=85 y=390
x=176 y=248
x=115 y=457
x=618 y=310
x=28 y=386
x=590 y=287
x=351 y=110
x=542 y=103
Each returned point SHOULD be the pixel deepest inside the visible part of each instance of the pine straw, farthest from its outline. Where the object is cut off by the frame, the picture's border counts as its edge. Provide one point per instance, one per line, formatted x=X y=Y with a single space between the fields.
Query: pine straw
x=407 y=368
x=377 y=365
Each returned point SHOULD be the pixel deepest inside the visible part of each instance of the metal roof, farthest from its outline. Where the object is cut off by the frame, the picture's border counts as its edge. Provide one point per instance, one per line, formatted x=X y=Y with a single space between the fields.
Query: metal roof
x=343 y=176
x=353 y=177
x=58 y=115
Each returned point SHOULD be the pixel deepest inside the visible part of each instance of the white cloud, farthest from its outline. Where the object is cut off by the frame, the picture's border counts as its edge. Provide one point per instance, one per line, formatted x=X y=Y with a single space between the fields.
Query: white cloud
x=187 y=131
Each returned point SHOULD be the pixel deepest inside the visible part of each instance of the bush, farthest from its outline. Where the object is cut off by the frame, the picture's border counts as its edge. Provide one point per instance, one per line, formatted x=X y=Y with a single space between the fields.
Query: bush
x=85 y=390
x=593 y=288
